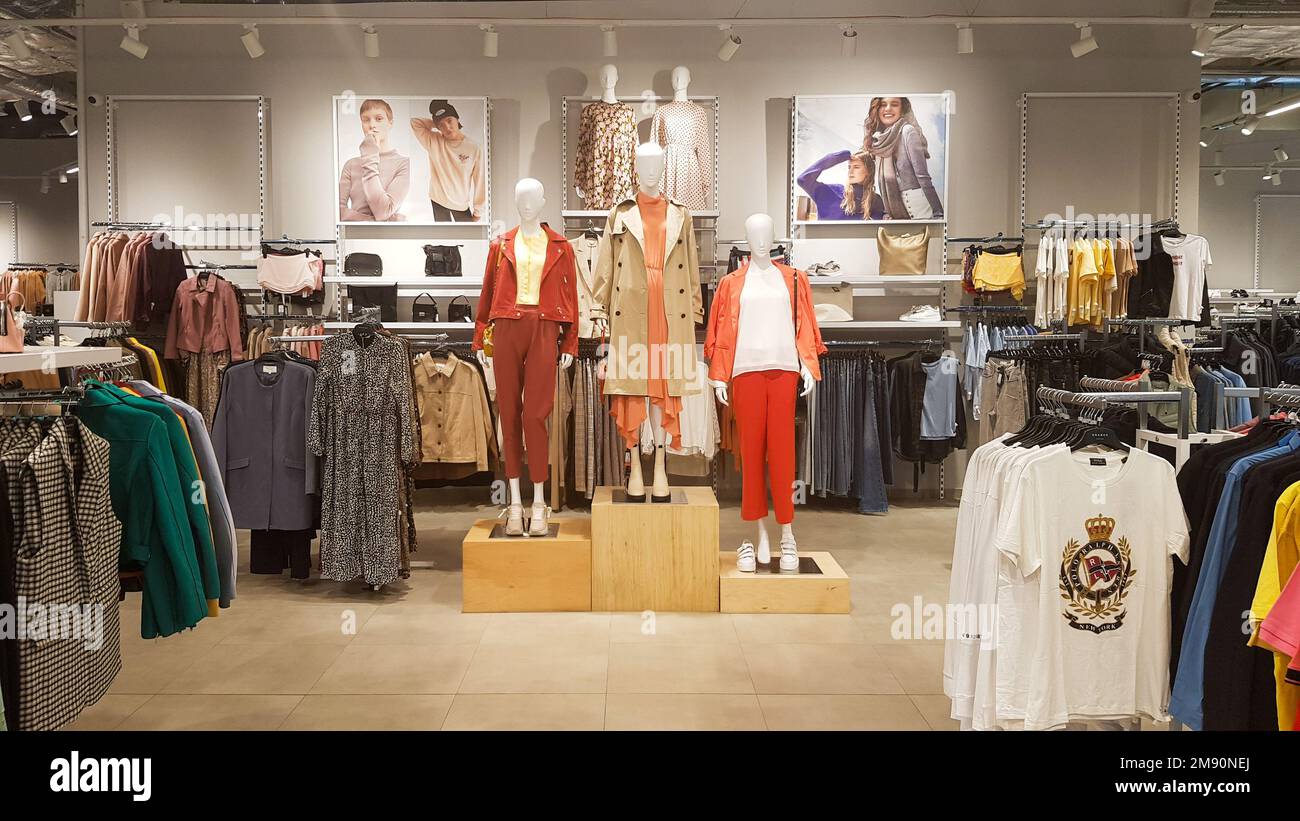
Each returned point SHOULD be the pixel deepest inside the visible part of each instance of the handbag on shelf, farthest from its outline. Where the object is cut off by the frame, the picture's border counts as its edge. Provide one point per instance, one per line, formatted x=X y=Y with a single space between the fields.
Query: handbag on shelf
x=905 y=253
x=363 y=265
x=442 y=261
x=421 y=312
x=456 y=312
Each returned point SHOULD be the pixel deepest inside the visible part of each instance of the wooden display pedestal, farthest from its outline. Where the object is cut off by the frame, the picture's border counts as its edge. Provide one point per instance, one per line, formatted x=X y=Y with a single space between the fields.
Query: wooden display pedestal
x=821 y=586
x=648 y=556
x=516 y=574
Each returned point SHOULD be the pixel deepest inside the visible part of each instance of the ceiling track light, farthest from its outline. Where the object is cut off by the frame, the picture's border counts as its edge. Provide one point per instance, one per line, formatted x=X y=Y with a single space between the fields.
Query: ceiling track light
x=1218 y=157
x=1268 y=173
x=63 y=177
x=45 y=184
x=848 y=40
x=1219 y=178
x=1086 y=44
x=17 y=45
x=609 y=40
x=69 y=124
x=24 y=111
x=131 y=42
x=252 y=41
x=491 y=39
x=965 y=39
x=730 y=45
x=1279 y=154
x=72 y=169
x=1277 y=178
x=1249 y=125
x=1290 y=105
x=1205 y=37
x=370 y=41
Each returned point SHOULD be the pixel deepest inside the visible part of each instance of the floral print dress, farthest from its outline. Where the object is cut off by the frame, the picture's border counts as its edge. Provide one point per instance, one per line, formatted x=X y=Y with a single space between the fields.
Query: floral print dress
x=606 y=171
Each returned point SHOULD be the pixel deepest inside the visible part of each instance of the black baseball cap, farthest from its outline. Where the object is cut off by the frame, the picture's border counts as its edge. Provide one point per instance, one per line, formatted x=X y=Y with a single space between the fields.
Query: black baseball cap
x=442 y=108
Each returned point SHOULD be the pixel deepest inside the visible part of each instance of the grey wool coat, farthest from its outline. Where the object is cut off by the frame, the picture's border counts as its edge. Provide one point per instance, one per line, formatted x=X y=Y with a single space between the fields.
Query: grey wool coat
x=260 y=439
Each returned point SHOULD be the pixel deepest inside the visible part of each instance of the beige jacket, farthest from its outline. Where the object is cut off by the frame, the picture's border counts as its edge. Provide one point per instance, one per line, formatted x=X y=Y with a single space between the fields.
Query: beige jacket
x=619 y=294
x=455 y=422
x=586 y=252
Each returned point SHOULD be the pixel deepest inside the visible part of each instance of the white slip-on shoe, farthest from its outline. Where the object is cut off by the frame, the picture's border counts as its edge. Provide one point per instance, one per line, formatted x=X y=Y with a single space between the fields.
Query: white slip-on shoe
x=745 y=558
x=789 y=555
x=921 y=313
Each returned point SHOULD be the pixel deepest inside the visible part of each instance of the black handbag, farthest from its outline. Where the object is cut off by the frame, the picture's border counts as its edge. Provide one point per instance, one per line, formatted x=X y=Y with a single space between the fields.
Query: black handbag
x=460 y=313
x=363 y=265
x=424 y=313
x=442 y=260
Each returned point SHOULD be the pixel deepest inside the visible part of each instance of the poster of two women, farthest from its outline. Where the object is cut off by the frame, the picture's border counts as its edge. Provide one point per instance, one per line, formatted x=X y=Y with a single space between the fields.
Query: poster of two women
x=873 y=158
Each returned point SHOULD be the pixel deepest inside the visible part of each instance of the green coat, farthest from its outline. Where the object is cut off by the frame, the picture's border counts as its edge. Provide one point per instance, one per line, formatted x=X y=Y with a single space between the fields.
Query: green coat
x=144 y=482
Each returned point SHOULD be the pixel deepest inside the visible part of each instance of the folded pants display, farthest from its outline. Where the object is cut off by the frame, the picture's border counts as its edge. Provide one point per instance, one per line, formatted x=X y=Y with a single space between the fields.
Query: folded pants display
x=764 y=402
x=524 y=361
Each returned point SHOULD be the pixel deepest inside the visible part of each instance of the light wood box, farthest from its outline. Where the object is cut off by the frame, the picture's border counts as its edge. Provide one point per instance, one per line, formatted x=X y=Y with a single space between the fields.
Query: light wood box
x=527 y=574
x=827 y=592
x=648 y=556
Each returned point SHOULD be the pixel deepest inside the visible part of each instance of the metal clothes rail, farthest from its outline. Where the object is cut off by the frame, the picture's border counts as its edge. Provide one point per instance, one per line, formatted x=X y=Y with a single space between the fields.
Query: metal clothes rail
x=1103 y=399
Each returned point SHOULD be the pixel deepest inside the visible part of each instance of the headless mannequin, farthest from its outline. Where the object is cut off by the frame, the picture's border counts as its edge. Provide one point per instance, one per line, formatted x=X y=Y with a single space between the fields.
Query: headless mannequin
x=761 y=235
x=530 y=199
x=681 y=80
x=608 y=79
x=650 y=174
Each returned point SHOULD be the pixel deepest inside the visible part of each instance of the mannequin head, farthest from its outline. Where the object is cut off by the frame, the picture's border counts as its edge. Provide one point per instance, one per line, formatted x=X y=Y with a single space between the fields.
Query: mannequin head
x=608 y=76
x=681 y=78
x=530 y=199
x=761 y=236
x=649 y=166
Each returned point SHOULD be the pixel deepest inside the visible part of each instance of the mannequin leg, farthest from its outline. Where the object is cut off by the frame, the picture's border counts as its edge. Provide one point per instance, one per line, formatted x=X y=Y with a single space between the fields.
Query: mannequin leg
x=764 y=546
x=659 y=491
x=515 y=512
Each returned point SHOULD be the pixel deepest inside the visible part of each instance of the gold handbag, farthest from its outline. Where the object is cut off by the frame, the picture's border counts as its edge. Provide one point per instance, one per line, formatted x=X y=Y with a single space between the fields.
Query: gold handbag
x=905 y=253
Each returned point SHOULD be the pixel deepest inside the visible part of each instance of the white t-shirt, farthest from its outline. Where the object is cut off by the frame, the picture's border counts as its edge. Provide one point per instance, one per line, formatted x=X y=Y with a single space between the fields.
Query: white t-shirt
x=1095 y=535
x=765 y=338
x=1043 y=274
x=1191 y=260
x=1061 y=277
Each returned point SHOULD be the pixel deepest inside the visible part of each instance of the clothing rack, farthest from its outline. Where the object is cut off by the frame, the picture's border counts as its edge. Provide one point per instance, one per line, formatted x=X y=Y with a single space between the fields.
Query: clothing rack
x=833 y=344
x=72 y=265
x=68 y=395
x=1046 y=225
x=286 y=239
x=163 y=226
x=990 y=309
x=55 y=324
x=1103 y=400
x=1081 y=337
x=215 y=267
x=998 y=237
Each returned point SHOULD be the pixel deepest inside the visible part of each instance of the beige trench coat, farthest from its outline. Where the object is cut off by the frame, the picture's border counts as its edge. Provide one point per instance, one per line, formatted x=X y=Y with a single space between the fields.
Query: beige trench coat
x=619 y=295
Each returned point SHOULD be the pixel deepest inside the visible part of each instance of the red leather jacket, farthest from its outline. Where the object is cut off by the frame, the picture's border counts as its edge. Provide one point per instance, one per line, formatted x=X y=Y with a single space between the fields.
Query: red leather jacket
x=557 y=300
x=724 y=323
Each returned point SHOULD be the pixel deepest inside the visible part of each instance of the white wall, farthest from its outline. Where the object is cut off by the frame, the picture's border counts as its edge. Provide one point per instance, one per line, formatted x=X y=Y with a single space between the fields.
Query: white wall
x=304 y=67
x=47 y=223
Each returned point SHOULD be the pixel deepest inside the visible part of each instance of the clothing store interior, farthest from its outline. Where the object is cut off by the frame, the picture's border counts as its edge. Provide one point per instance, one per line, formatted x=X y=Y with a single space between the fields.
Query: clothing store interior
x=704 y=364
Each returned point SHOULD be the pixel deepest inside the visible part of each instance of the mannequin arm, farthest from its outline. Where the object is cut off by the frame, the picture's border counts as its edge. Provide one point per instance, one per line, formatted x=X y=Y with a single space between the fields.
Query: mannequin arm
x=808 y=382
x=720 y=390
x=566 y=359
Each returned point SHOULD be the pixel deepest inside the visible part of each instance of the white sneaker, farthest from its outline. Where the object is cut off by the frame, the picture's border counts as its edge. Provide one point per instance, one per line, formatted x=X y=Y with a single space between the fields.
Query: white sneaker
x=789 y=555
x=921 y=313
x=514 y=516
x=745 y=558
x=539 y=523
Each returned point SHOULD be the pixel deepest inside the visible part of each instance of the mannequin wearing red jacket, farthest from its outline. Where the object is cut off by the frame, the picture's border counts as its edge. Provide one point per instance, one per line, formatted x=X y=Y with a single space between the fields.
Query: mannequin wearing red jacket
x=530 y=297
x=762 y=345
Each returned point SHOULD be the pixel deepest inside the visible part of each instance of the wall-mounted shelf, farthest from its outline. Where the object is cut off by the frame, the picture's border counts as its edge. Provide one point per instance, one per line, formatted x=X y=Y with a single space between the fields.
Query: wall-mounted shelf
x=408 y=326
x=43 y=357
x=882 y=280
x=579 y=214
x=887 y=324
x=429 y=283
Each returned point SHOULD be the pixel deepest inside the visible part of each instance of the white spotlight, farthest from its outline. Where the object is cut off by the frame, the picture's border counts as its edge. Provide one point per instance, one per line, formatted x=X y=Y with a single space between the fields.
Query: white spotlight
x=491 y=40
x=370 y=40
x=24 y=111
x=1268 y=173
x=17 y=45
x=45 y=184
x=1086 y=44
x=1219 y=178
x=63 y=178
x=849 y=41
x=1291 y=105
x=1204 y=144
x=72 y=169
x=1277 y=177
x=1205 y=37
x=965 y=39
x=1249 y=124
x=132 y=44
x=609 y=40
x=1279 y=154
x=730 y=45
x=69 y=124
x=252 y=42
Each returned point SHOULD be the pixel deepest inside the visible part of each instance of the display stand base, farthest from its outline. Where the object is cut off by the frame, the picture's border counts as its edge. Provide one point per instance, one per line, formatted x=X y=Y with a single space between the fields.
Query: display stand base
x=515 y=574
x=820 y=586
x=660 y=557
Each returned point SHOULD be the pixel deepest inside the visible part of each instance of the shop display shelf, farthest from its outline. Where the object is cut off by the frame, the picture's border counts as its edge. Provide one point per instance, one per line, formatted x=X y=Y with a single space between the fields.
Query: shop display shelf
x=41 y=357
x=891 y=324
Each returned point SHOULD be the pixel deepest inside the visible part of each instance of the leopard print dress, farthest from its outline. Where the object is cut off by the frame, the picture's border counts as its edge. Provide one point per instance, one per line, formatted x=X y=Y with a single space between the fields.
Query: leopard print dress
x=362 y=426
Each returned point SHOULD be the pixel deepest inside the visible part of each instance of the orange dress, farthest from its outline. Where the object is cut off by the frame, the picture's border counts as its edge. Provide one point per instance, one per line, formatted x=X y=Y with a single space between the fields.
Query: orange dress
x=630 y=412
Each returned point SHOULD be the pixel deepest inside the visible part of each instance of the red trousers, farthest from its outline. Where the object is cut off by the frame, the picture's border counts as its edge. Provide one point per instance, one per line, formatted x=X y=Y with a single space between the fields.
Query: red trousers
x=764 y=405
x=525 y=352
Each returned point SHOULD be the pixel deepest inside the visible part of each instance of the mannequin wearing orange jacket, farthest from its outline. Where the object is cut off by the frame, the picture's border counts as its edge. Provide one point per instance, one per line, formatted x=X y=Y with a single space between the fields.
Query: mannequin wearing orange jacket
x=762 y=346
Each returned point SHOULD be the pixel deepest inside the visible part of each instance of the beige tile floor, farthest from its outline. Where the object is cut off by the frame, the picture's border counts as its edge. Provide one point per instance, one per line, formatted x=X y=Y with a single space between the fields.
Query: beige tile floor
x=321 y=655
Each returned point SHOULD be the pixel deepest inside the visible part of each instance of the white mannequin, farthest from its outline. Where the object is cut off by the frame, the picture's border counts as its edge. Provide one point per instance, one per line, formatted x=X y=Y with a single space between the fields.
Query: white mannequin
x=530 y=199
x=761 y=235
x=608 y=79
x=681 y=79
x=650 y=174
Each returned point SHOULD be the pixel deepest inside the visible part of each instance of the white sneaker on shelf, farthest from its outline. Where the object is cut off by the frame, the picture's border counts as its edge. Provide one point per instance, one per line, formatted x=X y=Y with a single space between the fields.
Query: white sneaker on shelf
x=921 y=313
x=789 y=555
x=745 y=558
x=539 y=523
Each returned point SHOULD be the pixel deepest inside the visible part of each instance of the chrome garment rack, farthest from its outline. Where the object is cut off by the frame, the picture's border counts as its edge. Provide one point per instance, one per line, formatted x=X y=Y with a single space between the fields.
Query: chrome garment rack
x=1104 y=399
x=55 y=325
